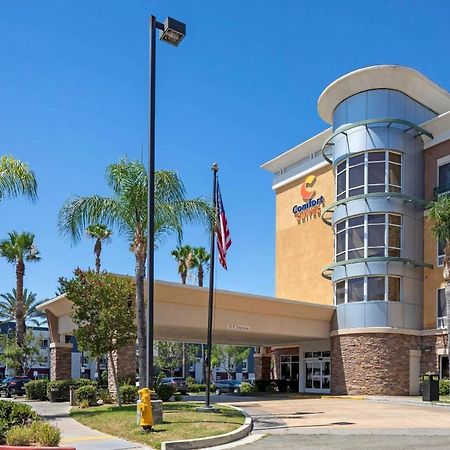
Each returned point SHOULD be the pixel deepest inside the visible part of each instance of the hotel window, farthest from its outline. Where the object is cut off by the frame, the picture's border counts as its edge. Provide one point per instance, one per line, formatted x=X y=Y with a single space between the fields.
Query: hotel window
x=444 y=178
x=441 y=309
x=440 y=252
x=364 y=173
x=368 y=235
x=289 y=367
x=373 y=288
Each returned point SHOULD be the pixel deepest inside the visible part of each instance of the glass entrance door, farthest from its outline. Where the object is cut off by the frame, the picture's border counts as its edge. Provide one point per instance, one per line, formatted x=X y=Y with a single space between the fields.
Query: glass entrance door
x=317 y=375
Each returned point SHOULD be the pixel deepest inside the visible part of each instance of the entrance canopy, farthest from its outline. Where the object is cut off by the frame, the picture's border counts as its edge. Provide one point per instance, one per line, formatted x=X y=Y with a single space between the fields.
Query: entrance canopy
x=181 y=313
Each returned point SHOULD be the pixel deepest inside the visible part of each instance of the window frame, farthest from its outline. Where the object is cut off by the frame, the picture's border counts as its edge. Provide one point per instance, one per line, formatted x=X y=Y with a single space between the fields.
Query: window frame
x=344 y=254
x=366 y=186
x=439 y=163
x=443 y=318
x=365 y=289
x=289 y=362
x=439 y=256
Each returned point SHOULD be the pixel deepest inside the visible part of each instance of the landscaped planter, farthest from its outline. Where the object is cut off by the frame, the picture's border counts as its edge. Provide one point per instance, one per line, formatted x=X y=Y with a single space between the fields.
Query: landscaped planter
x=12 y=447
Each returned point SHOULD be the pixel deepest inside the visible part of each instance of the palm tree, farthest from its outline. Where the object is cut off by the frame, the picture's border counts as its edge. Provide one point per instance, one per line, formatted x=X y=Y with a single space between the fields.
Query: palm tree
x=17 y=250
x=101 y=234
x=439 y=214
x=183 y=256
x=200 y=260
x=126 y=210
x=31 y=314
x=16 y=179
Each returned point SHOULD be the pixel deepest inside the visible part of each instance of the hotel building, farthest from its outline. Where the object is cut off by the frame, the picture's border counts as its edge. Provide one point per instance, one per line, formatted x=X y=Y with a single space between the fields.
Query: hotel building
x=359 y=306
x=352 y=232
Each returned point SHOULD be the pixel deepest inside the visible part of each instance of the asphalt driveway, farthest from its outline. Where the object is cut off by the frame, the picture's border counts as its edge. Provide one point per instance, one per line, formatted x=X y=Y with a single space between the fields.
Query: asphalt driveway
x=345 y=423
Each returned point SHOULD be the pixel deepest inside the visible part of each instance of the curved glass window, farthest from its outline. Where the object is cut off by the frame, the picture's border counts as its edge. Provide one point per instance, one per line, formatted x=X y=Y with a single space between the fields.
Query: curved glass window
x=366 y=289
x=367 y=235
x=372 y=171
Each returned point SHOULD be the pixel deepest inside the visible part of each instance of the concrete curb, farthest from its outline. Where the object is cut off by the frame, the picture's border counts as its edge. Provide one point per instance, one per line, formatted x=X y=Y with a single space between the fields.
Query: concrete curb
x=212 y=441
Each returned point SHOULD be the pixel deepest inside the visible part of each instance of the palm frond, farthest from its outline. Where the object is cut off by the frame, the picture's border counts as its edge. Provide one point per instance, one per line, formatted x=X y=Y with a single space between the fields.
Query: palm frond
x=80 y=212
x=16 y=179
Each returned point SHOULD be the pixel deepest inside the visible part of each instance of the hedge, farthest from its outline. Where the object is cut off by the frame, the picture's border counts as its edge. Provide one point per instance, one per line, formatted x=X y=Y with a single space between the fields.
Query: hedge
x=444 y=387
x=165 y=391
x=37 y=389
x=87 y=393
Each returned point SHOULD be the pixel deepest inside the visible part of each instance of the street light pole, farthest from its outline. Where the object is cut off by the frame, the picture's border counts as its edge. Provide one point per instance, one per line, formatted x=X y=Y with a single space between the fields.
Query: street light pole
x=173 y=32
x=151 y=207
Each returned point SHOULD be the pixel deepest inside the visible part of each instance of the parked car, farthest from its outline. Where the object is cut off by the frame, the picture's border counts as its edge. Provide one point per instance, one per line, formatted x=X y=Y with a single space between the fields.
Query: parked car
x=13 y=386
x=227 y=387
x=179 y=383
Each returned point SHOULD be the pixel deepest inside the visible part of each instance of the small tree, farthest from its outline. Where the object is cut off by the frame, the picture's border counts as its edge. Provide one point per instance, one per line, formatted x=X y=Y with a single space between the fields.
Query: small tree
x=170 y=355
x=102 y=314
x=21 y=359
x=439 y=214
x=227 y=357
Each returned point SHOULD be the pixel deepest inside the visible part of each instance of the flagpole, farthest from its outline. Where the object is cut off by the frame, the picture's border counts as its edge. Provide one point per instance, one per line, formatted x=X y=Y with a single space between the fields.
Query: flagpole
x=215 y=169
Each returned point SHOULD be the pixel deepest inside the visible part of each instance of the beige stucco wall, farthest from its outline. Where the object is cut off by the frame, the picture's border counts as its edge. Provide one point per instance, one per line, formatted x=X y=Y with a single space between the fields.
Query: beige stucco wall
x=302 y=250
x=432 y=277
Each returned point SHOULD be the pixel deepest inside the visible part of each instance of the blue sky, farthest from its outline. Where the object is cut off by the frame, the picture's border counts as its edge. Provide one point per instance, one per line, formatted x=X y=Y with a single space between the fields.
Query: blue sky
x=241 y=89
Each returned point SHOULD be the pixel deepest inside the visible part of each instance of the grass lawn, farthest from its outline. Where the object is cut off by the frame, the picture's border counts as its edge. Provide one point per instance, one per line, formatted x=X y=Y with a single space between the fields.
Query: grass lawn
x=181 y=421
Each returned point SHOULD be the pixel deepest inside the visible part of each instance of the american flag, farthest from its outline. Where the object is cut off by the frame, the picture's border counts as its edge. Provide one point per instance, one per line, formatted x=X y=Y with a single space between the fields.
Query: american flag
x=222 y=231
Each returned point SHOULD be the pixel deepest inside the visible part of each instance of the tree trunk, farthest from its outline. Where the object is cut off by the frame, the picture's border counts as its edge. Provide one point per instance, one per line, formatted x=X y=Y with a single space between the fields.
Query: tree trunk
x=20 y=328
x=183 y=360
x=97 y=251
x=200 y=275
x=97 y=263
x=447 y=292
x=141 y=321
x=116 y=381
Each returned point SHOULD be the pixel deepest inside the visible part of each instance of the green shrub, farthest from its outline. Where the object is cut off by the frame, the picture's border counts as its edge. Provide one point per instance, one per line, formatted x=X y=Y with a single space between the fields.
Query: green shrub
x=38 y=433
x=105 y=396
x=444 y=387
x=197 y=387
x=37 y=389
x=165 y=391
x=177 y=397
x=88 y=393
x=246 y=388
x=84 y=404
x=19 y=436
x=45 y=434
x=79 y=382
x=14 y=414
x=193 y=388
x=190 y=380
x=59 y=391
x=272 y=387
x=103 y=380
x=129 y=393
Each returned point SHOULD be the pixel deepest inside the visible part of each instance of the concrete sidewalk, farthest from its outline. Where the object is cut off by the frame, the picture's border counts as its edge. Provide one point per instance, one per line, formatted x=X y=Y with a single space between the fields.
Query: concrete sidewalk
x=77 y=435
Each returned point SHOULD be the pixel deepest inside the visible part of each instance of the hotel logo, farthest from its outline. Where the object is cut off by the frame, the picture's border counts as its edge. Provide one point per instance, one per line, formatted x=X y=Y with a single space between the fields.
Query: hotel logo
x=312 y=208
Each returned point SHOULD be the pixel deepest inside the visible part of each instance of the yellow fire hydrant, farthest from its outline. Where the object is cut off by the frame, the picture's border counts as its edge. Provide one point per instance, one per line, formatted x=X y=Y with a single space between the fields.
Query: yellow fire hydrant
x=145 y=409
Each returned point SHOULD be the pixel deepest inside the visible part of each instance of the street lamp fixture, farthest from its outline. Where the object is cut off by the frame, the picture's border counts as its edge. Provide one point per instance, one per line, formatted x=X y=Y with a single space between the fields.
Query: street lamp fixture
x=172 y=32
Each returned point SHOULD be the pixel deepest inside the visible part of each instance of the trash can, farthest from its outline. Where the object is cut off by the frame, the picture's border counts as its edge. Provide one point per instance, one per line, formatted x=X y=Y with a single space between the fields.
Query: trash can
x=430 y=387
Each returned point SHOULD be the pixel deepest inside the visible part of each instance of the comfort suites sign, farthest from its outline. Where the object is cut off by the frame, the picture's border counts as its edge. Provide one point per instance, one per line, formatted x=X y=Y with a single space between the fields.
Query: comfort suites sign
x=312 y=205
